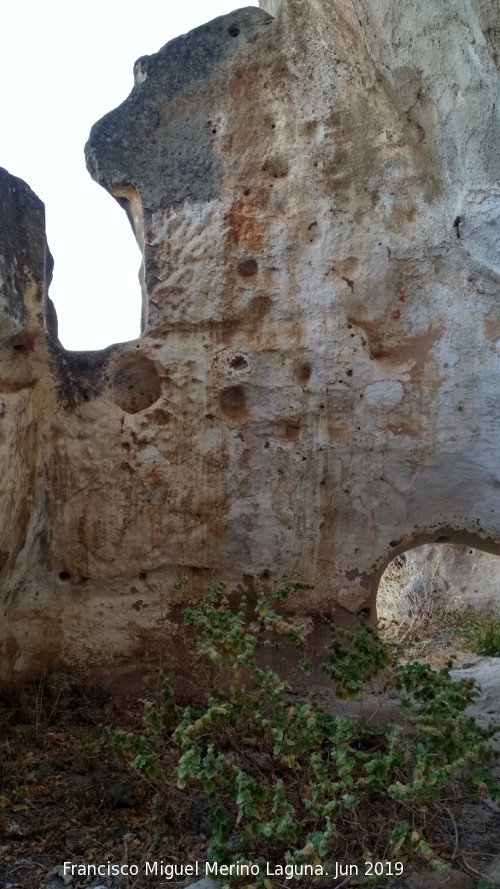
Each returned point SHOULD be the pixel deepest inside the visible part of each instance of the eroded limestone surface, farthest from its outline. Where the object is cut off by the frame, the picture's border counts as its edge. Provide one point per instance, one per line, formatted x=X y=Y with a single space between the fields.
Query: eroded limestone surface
x=317 y=199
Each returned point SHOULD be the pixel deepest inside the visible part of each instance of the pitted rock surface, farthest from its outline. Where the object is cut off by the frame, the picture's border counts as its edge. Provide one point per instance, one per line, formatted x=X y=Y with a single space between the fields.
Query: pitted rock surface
x=316 y=197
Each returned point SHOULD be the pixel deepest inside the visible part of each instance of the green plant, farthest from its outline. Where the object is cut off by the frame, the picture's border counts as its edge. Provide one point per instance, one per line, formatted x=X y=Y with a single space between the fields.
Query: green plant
x=286 y=779
x=141 y=749
x=480 y=632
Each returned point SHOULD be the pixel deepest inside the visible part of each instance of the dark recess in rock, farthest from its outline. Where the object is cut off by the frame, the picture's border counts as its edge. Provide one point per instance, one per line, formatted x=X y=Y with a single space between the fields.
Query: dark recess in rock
x=136 y=386
x=80 y=375
x=248 y=267
x=233 y=401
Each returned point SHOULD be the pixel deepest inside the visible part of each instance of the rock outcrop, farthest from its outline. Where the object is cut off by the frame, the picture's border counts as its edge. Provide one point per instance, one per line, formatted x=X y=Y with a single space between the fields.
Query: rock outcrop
x=317 y=200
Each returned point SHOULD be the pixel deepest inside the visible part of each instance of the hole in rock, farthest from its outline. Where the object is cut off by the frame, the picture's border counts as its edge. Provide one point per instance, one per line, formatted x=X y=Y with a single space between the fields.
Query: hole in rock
x=136 y=385
x=302 y=373
x=233 y=402
x=277 y=167
x=64 y=575
x=107 y=286
x=247 y=268
x=238 y=362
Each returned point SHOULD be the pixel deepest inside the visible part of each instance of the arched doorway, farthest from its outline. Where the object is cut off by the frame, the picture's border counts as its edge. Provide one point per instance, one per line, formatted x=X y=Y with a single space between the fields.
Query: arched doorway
x=435 y=597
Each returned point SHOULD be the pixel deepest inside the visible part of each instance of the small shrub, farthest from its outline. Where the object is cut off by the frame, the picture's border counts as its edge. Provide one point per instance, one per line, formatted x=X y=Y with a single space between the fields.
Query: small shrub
x=480 y=632
x=288 y=781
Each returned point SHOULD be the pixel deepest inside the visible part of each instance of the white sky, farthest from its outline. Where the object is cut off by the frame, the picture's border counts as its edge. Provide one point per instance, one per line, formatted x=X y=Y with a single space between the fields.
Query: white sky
x=65 y=65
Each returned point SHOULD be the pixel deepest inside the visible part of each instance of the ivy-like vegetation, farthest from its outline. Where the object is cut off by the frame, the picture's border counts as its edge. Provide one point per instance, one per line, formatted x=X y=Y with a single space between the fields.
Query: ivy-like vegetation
x=286 y=780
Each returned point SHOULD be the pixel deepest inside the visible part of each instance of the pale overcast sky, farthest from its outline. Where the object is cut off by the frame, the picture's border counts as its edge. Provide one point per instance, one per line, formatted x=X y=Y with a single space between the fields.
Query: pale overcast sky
x=64 y=66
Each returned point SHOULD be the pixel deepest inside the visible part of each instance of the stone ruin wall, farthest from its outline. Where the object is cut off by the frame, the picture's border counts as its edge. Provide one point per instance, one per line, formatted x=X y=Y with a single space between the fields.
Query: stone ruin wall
x=315 y=390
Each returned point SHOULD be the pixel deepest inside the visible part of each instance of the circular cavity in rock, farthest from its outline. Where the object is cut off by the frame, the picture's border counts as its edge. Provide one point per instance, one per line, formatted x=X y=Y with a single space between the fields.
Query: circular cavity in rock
x=136 y=386
x=238 y=362
x=233 y=401
x=302 y=373
x=248 y=268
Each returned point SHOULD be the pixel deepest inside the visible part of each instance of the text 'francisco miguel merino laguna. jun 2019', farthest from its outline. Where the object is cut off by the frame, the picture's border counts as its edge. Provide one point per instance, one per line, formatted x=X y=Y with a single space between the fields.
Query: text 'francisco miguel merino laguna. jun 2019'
x=286 y=871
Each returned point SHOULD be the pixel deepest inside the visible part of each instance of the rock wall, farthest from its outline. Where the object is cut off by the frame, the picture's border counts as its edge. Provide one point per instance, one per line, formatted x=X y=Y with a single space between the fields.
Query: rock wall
x=317 y=200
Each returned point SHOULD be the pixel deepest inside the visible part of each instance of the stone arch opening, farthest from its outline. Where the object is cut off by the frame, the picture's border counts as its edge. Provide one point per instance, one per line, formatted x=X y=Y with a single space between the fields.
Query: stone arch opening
x=427 y=589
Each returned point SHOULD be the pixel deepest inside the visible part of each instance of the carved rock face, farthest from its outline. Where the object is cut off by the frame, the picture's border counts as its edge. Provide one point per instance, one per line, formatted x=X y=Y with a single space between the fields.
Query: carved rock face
x=317 y=201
